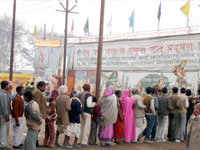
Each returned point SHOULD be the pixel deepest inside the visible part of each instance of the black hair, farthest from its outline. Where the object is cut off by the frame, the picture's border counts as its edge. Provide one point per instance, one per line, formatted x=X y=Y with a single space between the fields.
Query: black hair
x=52 y=99
x=41 y=83
x=183 y=90
x=117 y=92
x=154 y=91
x=32 y=83
x=198 y=91
x=148 y=90
x=18 y=89
x=29 y=95
x=94 y=99
x=188 y=92
x=4 y=84
x=175 y=90
x=164 y=90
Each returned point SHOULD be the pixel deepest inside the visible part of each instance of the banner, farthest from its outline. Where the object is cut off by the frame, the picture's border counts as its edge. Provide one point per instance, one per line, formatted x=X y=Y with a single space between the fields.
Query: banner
x=47 y=58
x=158 y=54
x=18 y=79
x=141 y=80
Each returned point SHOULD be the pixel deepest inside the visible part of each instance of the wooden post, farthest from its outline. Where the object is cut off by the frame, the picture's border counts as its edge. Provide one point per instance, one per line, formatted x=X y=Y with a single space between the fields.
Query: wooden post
x=100 y=47
x=12 y=46
x=65 y=42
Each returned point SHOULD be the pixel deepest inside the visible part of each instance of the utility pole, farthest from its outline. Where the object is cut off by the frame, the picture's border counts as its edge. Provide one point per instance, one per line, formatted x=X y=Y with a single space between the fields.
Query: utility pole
x=100 y=47
x=65 y=38
x=12 y=46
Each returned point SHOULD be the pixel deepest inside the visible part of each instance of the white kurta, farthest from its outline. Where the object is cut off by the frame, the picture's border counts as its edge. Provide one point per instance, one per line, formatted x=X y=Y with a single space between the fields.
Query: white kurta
x=18 y=132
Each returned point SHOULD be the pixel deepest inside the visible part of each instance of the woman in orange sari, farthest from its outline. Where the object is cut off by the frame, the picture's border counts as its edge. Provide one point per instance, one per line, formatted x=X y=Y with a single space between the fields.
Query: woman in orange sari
x=119 y=125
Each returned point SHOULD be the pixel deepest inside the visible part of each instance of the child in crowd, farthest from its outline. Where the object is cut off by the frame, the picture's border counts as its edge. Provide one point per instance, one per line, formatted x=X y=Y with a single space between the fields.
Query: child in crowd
x=49 y=124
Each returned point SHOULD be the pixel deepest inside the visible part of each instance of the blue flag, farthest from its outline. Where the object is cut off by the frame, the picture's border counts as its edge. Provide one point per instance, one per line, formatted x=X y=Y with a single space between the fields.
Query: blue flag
x=131 y=19
x=159 y=12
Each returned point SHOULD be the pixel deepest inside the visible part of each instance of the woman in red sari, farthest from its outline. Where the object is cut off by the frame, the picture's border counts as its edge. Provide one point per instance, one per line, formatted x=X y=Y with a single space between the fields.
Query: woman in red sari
x=119 y=134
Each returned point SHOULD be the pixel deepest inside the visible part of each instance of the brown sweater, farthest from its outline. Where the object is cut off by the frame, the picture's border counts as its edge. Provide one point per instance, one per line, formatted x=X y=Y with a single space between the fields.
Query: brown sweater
x=18 y=108
x=147 y=103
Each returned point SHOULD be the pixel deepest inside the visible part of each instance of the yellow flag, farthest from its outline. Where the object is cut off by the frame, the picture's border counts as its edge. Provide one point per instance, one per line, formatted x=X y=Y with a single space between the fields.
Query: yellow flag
x=186 y=9
x=35 y=32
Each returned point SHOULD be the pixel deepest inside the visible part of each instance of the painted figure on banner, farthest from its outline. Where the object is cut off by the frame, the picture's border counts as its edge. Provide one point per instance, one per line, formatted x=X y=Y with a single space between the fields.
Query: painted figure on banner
x=180 y=73
x=161 y=83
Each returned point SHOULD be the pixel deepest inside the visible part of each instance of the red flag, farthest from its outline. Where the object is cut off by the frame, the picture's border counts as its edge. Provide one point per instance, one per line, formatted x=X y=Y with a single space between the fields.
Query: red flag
x=72 y=28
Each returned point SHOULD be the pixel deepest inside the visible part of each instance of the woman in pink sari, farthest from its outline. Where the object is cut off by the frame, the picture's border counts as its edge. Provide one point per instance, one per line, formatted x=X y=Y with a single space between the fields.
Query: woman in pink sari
x=129 y=120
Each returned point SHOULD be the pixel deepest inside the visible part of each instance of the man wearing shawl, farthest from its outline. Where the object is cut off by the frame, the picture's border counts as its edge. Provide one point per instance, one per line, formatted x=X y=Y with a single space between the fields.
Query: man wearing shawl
x=87 y=105
x=193 y=140
x=129 y=120
x=109 y=111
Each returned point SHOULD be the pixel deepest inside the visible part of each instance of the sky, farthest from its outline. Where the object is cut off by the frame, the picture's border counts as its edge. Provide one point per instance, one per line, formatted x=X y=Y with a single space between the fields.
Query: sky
x=39 y=12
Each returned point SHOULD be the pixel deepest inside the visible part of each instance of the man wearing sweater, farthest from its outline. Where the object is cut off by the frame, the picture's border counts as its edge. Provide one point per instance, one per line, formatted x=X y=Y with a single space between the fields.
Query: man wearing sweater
x=17 y=117
x=163 y=109
x=149 y=114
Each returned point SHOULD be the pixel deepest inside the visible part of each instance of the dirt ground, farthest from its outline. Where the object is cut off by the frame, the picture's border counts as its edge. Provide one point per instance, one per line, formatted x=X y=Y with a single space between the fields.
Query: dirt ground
x=138 y=146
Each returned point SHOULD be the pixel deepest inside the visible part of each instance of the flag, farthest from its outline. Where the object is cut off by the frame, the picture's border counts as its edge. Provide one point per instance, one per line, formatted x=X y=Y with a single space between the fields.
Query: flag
x=72 y=28
x=186 y=9
x=109 y=25
x=131 y=19
x=159 y=12
x=35 y=32
x=86 y=27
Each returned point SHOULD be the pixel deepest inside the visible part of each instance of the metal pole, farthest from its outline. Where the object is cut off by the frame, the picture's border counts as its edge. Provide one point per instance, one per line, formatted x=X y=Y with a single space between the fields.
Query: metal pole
x=12 y=45
x=100 y=46
x=65 y=42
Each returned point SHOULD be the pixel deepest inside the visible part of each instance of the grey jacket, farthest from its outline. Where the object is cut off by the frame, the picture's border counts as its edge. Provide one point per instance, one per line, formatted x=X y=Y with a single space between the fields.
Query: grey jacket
x=164 y=104
x=5 y=108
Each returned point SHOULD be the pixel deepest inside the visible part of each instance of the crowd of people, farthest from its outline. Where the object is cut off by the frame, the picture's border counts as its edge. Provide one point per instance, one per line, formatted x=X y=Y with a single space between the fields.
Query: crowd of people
x=117 y=117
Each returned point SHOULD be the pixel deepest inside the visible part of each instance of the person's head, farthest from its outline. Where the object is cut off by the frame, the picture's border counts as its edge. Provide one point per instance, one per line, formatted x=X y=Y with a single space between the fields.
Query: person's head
x=134 y=91
x=41 y=86
x=118 y=93
x=175 y=90
x=198 y=91
x=183 y=90
x=32 y=83
x=154 y=91
x=86 y=87
x=63 y=89
x=55 y=88
x=188 y=92
x=94 y=99
x=20 y=90
x=52 y=101
x=4 y=85
x=164 y=90
x=148 y=90
x=75 y=93
x=28 y=96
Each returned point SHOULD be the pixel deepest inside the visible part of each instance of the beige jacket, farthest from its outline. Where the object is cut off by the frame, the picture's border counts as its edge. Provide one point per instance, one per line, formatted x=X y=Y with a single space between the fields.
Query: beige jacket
x=63 y=106
x=33 y=116
x=40 y=99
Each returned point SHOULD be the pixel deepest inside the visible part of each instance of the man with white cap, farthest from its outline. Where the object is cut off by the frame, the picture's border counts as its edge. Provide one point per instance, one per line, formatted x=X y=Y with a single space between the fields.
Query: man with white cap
x=63 y=106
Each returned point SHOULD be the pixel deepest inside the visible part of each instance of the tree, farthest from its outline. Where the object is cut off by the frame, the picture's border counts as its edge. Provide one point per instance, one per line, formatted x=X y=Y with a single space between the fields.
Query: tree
x=24 y=49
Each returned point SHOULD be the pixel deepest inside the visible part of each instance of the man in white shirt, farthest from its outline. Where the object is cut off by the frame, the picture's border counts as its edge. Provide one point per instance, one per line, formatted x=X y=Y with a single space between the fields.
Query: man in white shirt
x=87 y=105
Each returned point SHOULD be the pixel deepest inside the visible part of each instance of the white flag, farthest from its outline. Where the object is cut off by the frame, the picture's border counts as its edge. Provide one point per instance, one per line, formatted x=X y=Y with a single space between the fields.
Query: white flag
x=109 y=25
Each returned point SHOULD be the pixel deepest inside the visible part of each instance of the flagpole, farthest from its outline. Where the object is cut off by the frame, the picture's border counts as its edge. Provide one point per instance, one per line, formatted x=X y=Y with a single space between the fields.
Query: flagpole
x=133 y=29
x=188 y=24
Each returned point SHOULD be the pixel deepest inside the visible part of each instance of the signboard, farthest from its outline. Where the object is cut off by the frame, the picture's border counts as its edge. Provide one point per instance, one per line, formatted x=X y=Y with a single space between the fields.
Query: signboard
x=47 y=43
x=160 y=54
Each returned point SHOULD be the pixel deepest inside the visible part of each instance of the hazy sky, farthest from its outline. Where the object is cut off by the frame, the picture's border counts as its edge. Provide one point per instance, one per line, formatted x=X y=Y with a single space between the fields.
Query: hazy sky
x=38 y=12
